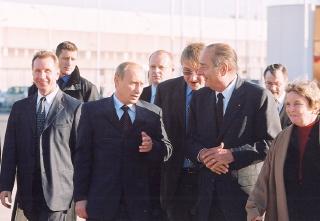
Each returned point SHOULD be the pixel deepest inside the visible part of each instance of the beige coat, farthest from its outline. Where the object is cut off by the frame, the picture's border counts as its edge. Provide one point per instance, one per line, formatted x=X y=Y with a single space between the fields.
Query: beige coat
x=269 y=196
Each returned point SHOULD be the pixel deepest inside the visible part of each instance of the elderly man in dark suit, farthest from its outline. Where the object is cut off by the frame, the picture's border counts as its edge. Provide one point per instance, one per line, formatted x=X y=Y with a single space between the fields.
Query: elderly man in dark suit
x=39 y=146
x=179 y=175
x=276 y=80
x=160 y=67
x=232 y=123
x=120 y=137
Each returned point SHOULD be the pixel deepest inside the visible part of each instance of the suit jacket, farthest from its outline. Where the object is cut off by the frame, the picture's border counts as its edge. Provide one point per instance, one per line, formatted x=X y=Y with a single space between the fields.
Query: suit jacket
x=57 y=143
x=146 y=94
x=171 y=97
x=284 y=119
x=77 y=87
x=251 y=121
x=108 y=165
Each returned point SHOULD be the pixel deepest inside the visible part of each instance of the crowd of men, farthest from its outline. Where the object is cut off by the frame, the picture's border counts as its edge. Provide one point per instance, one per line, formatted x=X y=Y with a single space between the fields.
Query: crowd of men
x=184 y=149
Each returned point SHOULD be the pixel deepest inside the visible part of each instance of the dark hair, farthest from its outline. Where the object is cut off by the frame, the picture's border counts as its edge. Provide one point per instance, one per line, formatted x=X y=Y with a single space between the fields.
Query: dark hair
x=66 y=45
x=273 y=68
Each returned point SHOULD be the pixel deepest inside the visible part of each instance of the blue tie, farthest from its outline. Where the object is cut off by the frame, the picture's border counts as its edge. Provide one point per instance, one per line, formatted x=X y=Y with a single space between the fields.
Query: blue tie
x=189 y=96
x=187 y=163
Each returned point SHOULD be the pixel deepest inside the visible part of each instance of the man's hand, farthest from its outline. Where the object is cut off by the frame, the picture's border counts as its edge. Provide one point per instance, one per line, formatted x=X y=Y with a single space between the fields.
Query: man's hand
x=81 y=210
x=3 y=196
x=258 y=218
x=146 y=145
x=220 y=168
x=217 y=159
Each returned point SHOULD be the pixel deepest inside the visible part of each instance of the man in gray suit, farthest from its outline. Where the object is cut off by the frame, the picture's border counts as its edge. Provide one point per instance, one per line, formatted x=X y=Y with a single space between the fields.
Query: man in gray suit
x=231 y=125
x=39 y=146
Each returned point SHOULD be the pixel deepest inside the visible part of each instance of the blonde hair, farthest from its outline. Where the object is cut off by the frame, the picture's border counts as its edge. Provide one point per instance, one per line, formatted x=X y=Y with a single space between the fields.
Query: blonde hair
x=45 y=54
x=191 y=53
x=308 y=90
x=223 y=53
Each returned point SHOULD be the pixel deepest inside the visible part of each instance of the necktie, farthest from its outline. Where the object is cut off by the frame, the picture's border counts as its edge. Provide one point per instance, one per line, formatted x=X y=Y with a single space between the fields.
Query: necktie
x=41 y=116
x=125 y=120
x=189 y=96
x=187 y=163
x=220 y=110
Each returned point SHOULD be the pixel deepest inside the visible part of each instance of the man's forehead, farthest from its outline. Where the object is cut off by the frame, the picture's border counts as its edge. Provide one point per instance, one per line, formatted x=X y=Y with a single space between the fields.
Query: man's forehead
x=276 y=76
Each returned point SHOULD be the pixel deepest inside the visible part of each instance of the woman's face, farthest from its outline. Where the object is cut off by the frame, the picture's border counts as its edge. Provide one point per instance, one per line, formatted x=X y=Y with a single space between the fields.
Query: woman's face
x=298 y=109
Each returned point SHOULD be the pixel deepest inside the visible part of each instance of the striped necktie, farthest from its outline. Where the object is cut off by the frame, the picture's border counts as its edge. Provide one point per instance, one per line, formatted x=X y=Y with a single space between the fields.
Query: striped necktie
x=41 y=116
x=125 y=120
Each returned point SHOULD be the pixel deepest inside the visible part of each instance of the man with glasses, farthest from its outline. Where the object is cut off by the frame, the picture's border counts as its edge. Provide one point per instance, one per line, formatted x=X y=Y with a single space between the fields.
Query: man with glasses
x=160 y=67
x=179 y=176
x=276 y=80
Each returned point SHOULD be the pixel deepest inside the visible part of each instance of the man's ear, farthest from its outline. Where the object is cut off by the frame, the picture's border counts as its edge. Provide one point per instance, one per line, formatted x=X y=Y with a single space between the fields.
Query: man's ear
x=116 y=80
x=224 y=69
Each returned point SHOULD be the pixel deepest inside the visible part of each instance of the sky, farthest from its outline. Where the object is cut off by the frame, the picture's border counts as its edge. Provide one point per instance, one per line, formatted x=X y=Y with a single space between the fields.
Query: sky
x=206 y=8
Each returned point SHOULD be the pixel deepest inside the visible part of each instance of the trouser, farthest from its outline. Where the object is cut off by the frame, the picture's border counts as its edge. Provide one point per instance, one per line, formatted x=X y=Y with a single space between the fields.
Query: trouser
x=183 y=204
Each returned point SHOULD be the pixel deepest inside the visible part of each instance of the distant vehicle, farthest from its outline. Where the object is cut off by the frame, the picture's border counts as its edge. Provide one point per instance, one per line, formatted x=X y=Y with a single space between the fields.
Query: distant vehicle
x=13 y=94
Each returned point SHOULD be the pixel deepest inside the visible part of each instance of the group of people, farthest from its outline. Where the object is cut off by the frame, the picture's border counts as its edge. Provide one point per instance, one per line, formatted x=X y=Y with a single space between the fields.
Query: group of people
x=206 y=146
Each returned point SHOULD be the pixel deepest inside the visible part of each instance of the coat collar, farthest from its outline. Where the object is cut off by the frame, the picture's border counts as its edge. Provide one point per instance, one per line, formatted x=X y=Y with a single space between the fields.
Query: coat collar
x=74 y=81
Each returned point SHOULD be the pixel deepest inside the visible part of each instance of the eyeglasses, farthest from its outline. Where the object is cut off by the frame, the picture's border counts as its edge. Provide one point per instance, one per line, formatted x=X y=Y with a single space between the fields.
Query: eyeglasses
x=189 y=72
x=270 y=84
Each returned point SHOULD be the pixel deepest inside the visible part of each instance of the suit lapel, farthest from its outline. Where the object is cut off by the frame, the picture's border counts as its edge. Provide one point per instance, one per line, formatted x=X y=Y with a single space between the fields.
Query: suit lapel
x=31 y=112
x=234 y=106
x=180 y=106
x=148 y=93
x=210 y=108
x=111 y=114
x=140 y=115
x=54 y=110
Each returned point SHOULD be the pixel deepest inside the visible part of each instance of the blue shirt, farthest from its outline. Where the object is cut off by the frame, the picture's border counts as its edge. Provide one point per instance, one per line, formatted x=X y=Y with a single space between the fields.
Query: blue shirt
x=227 y=94
x=153 y=93
x=118 y=104
x=65 y=80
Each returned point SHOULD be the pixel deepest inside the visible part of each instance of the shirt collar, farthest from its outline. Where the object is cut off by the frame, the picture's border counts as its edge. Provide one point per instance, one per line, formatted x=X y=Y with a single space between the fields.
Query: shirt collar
x=188 y=90
x=228 y=91
x=49 y=97
x=281 y=99
x=118 y=104
x=153 y=89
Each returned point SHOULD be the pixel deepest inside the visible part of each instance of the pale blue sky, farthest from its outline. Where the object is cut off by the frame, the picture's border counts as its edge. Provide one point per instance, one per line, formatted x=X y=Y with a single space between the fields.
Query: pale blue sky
x=210 y=8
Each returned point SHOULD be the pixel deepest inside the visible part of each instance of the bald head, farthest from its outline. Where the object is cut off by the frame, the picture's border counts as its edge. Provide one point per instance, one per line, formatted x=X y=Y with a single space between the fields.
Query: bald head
x=160 y=66
x=129 y=79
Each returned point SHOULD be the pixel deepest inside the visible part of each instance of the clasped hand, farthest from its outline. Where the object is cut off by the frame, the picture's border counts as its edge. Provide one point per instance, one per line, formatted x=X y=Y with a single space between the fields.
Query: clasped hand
x=217 y=159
